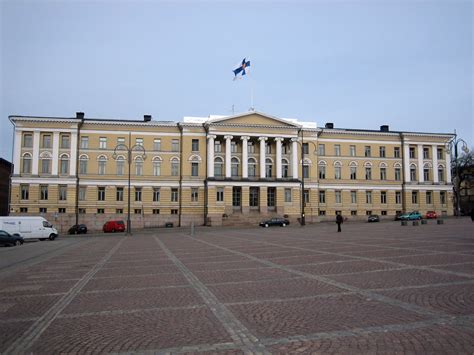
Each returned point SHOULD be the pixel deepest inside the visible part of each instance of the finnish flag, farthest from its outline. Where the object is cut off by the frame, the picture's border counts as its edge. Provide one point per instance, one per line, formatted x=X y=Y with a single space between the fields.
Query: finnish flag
x=242 y=68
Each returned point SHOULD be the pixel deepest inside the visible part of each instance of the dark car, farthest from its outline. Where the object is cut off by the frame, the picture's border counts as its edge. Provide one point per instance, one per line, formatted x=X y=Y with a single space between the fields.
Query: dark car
x=78 y=229
x=282 y=222
x=373 y=218
x=7 y=239
x=114 y=226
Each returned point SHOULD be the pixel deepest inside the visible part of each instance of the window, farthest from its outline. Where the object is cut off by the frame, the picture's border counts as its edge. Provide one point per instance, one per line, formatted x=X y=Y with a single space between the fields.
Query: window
x=305 y=148
x=156 y=211
x=250 y=147
x=440 y=153
x=100 y=211
x=322 y=196
x=103 y=143
x=414 y=197
x=46 y=165
x=442 y=197
x=156 y=167
x=27 y=140
x=322 y=171
x=101 y=193
x=64 y=164
x=220 y=194
x=383 y=197
x=398 y=197
x=353 y=196
x=353 y=213
x=65 y=141
x=368 y=197
x=139 y=142
x=426 y=153
x=352 y=150
x=429 y=197
x=23 y=209
x=338 y=196
x=285 y=168
x=367 y=151
x=412 y=173
x=252 y=167
x=426 y=174
x=412 y=153
x=174 y=195
x=156 y=194
x=174 y=167
x=233 y=147
x=82 y=193
x=174 y=211
x=43 y=192
x=195 y=145
x=321 y=149
x=120 y=165
x=337 y=150
x=102 y=165
x=337 y=172
x=440 y=174
x=268 y=148
x=138 y=166
x=194 y=194
x=268 y=168
x=383 y=173
x=382 y=152
x=383 y=213
x=46 y=141
x=119 y=211
x=157 y=144
x=119 y=193
x=368 y=173
x=83 y=164
x=218 y=167
x=398 y=174
x=322 y=213
x=353 y=172
x=26 y=163
x=175 y=145
x=137 y=211
x=287 y=195
x=285 y=148
x=82 y=210
x=253 y=196
x=234 y=167
x=396 y=152
x=24 y=192
x=84 y=142
x=305 y=171
x=120 y=140
x=43 y=210
x=138 y=193
x=306 y=196
x=62 y=192
x=61 y=210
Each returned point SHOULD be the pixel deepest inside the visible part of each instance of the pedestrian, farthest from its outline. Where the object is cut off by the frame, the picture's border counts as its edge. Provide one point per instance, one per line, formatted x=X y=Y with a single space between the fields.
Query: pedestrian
x=472 y=214
x=339 y=221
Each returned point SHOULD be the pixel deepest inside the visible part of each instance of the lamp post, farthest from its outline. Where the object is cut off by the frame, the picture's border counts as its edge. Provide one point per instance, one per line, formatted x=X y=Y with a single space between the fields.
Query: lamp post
x=303 y=218
x=129 y=149
x=453 y=144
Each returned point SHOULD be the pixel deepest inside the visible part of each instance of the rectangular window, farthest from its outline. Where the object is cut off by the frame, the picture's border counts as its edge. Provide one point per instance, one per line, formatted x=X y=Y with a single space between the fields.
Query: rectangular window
x=47 y=141
x=65 y=142
x=321 y=149
x=46 y=166
x=398 y=197
x=396 y=152
x=174 y=195
x=157 y=144
x=268 y=148
x=426 y=174
x=429 y=197
x=306 y=196
x=287 y=195
x=251 y=147
x=120 y=166
x=217 y=147
x=412 y=174
x=63 y=165
x=337 y=173
x=338 y=196
x=194 y=194
x=368 y=197
x=322 y=172
x=23 y=209
x=61 y=210
x=27 y=140
x=27 y=164
x=194 y=169
x=414 y=197
x=383 y=174
x=352 y=150
x=353 y=196
x=139 y=142
x=368 y=173
x=337 y=150
x=174 y=168
x=156 y=211
x=412 y=153
x=353 y=213
x=398 y=174
x=120 y=140
x=82 y=166
x=103 y=143
x=43 y=210
x=271 y=196
x=84 y=142
x=43 y=192
x=119 y=194
x=138 y=193
x=62 y=192
x=440 y=174
x=233 y=147
x=382 y=152
x=305 y=148
x=137 y=211
x=119 y=211
x=100 y=211
x=305 y=171
x=25 y=192
x=426 y=153
x=322 y=213
x=156 y=194
x=82 y=193
x=383 y=197
x=220 y=194
x=195 y=145
x=101 y=193
x=442 y=197
x=367 y=151
x=383 y=213
x=174 y=211
x=175 y=145
x=82 y=210
x=322 y=196
x=440 y=153
x=353 y=172
x=138 y=167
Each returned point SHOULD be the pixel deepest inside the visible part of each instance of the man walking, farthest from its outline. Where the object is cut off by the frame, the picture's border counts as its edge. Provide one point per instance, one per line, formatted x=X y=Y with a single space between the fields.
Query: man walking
x=339 y=221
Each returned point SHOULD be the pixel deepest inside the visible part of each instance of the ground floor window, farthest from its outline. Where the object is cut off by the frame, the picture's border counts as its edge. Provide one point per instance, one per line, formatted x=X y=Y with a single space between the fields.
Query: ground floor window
x=253 y=196
x=271 y=196
x=236 y=196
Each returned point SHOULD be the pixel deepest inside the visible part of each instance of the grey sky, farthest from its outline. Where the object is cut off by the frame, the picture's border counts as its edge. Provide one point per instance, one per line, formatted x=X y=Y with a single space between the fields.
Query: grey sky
x=359 y=64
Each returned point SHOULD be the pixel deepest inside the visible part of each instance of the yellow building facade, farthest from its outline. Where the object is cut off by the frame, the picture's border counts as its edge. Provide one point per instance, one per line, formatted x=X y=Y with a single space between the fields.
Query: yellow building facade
x=222 y=170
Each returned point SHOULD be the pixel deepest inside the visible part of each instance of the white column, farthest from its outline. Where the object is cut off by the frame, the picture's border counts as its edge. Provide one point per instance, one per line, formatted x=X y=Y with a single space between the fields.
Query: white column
x=36 y=145
x=448 y=166
x=406 y=161
x=245 y=156
x=294 y=157
x=228 y=140
x=73 y=156
x=210 y=155
x=421 y=178
x=54 y=165
x=262 y=156
x=434 y=150
x=278 y=141
x=17 y=153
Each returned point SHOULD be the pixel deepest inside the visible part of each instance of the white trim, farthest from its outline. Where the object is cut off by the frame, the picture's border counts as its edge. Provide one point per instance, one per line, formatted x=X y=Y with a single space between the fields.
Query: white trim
x=253 y=135
x=43 y=180
x=194 y=158
x=355 y=140
x=135 y=133
x=252 y=184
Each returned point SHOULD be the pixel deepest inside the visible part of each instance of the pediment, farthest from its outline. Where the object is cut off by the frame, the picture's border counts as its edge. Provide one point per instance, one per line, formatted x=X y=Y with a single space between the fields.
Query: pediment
x=253 y=119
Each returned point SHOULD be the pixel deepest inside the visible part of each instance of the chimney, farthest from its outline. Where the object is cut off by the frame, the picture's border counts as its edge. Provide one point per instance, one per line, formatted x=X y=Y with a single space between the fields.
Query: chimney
x=80 y=115
x=147 y=118
x=329 y=125
x=384 y=128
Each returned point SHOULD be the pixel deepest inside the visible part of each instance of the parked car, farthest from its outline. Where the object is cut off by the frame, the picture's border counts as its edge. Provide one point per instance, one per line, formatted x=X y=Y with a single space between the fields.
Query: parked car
x=276 y=221
x=33 y=227
x=7 y=239
x=78 y=229
x=412 y=216
x=431 y=215
x=114 y=226
x=373 y=218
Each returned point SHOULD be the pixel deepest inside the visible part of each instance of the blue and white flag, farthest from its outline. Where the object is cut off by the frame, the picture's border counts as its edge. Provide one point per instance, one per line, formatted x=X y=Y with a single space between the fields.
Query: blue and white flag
x=242 y=68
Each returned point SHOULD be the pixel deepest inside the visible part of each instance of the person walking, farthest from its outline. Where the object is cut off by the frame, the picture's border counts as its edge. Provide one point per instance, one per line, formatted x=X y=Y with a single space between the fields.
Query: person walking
x=339 y=221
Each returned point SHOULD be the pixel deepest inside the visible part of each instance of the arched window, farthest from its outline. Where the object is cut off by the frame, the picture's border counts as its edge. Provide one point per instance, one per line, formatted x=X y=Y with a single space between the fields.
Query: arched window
x=45 y=160
x=83 y=159
x=440 y=173
x=412 y=172
x=26 y=164
x=138 y=166
x=102 y=164
x=64 y=164
x=120 y=165
x=252 y=167
x=426 y=172
x=195 y=159
x=156 y=166
x=174 y=166
x=322 y=170
x=268 y=167
x=218 y=166
x=234 y=167
x=285 y=171
x=353 y=170
x=337 y=170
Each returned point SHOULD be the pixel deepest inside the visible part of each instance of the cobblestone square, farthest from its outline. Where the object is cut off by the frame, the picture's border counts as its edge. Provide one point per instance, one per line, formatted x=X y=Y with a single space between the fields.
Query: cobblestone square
x=374 y=288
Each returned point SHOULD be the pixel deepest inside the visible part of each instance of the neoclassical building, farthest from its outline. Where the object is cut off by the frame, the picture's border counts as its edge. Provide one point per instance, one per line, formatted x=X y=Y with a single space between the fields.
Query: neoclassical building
x=222 y=170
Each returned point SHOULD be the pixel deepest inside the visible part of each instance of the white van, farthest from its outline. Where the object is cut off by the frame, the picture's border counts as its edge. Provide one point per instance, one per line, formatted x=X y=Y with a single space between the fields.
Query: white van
x=28 y=227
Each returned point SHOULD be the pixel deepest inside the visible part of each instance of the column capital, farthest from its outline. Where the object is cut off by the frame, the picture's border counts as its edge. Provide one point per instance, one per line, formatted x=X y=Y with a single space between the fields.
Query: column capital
x=228 y=137
x=211 y=136
x=245 y=138
x=278 y=139
x=295 y=139
x=262 y=139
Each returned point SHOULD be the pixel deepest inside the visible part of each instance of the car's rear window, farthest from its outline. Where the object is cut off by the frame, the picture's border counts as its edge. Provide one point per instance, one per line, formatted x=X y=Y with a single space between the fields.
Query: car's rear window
x=120 y=222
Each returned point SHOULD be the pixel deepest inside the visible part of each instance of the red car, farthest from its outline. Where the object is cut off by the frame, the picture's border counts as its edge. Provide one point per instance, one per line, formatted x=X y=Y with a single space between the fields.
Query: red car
x=431 y=215
x=114 y=226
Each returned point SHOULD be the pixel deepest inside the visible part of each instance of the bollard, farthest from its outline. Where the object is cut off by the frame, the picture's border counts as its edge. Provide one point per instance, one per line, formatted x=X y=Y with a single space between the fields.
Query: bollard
x=192 y=229
x=440 y=221
x=404 y=223
x=424 y=221
x=415 y=223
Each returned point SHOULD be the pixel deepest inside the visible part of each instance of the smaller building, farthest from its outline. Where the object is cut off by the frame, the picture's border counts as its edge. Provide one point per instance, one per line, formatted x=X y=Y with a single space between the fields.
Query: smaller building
x=6 y=169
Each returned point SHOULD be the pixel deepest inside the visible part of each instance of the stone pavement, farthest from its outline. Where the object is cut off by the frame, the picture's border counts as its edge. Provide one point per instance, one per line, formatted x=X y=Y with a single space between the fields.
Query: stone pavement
x=374 y=288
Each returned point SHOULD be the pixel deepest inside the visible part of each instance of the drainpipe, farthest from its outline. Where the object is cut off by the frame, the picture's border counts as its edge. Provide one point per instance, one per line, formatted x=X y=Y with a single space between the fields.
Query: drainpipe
x=79 y=115
x=180 y=191
x=206 y=190
x=404 y=202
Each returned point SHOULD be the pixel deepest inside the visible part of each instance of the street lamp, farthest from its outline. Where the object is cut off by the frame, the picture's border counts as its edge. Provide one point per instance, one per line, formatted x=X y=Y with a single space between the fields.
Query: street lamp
x=129 y=149
x=457 y=183
x=303 y=203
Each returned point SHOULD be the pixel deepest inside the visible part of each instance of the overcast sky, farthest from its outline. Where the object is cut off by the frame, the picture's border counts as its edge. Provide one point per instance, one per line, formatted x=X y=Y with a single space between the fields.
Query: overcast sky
x=358 y=64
